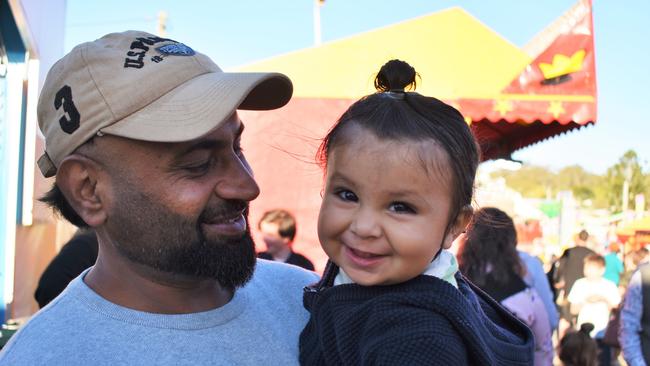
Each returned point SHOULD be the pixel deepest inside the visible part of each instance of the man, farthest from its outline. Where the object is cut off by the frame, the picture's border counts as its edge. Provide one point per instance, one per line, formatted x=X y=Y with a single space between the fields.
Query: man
x=143 y=140
x=634 y=334
x=569 y=270
x=278 y=228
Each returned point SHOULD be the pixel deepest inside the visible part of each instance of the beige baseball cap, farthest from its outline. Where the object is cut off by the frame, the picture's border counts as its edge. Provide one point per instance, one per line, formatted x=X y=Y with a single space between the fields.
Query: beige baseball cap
x=144 y=87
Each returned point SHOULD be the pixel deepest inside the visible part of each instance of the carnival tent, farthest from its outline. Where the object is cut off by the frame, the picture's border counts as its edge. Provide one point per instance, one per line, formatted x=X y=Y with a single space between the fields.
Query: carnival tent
x=510 y=98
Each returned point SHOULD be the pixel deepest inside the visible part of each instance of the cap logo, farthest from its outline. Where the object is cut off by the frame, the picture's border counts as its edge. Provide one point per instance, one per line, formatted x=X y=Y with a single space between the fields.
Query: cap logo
x=139 y=48
x=63 y=98
x=176 y=49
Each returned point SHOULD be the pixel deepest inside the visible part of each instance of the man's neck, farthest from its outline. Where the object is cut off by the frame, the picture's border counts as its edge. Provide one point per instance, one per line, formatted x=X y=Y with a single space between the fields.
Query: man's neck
x=282 y=255
x=138 y=287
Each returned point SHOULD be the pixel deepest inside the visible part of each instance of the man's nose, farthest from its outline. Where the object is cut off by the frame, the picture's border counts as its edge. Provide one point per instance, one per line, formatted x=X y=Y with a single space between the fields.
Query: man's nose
x=238 y=183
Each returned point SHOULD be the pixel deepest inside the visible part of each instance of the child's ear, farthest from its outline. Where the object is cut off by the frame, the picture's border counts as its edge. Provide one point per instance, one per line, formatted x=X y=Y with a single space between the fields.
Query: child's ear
x=459 y=226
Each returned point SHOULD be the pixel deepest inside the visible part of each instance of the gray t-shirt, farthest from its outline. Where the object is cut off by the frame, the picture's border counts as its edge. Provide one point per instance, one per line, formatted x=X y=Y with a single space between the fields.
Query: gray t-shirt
x=259 y=326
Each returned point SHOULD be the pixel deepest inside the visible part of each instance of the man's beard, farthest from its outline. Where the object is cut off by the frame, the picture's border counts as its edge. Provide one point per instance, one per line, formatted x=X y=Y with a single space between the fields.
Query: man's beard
x=147 y=233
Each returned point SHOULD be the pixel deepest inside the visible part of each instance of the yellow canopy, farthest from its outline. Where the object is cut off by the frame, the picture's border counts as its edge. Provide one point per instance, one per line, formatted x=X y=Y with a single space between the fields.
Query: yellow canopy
x=457 y=56
x=632 y=227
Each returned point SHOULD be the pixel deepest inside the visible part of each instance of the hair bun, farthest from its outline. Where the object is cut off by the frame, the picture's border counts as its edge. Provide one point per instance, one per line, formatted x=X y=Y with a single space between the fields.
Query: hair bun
x=395 y=75
x=586 y=328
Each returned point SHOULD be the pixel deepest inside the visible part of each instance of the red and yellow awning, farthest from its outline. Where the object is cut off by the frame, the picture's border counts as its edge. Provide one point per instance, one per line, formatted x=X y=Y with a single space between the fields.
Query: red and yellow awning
x=510 y=99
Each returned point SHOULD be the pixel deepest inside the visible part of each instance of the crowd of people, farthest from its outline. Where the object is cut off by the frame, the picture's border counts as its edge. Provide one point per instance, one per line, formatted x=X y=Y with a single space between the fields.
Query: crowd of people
x=579 y=300
x=165 y=270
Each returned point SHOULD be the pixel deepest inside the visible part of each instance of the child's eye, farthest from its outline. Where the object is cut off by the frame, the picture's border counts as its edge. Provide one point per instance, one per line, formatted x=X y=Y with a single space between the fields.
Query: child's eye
x=401 y=207
x=346 y=195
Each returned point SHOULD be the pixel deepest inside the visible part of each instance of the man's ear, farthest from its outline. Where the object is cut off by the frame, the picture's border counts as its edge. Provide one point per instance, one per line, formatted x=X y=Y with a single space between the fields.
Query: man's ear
x=459 y=226
x=77 y=177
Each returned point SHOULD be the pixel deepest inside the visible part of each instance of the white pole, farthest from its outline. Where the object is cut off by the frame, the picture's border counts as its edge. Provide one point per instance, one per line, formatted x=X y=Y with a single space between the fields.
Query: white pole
x=162 y=23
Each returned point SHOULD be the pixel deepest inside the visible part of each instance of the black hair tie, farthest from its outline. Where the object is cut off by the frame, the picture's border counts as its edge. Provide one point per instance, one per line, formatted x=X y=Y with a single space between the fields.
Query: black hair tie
x=396 y=93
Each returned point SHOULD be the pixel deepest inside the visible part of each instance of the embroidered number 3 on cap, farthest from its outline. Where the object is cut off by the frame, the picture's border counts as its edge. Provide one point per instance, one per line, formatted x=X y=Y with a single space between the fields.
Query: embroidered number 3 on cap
x=63 y=98
x=176 y=49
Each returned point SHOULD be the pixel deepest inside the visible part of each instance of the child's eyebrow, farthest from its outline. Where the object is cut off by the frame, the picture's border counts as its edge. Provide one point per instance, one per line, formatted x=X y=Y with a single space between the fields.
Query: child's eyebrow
x=406 y=193
x=339 y=176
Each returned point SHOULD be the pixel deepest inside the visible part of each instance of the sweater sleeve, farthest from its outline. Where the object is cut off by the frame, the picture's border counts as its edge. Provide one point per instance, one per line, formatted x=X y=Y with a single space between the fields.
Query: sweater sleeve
x=412 y=341
x=425 y=349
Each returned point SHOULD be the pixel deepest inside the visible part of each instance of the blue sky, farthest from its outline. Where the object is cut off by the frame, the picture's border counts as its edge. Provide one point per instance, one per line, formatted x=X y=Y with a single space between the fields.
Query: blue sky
x=239 y=32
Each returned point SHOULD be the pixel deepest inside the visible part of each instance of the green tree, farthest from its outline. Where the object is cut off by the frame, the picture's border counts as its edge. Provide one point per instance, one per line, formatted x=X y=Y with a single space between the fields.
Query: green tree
x=577 y=180
x=531 y=181
x=628 y=168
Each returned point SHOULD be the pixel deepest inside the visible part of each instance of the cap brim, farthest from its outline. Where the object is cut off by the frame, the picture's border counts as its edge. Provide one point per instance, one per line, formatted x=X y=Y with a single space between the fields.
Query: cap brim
x=201 y=104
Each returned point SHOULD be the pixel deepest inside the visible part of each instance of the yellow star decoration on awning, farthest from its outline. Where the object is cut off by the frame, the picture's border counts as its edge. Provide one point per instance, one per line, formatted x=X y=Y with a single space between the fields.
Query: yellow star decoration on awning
x=503 y=106
x=555 y=108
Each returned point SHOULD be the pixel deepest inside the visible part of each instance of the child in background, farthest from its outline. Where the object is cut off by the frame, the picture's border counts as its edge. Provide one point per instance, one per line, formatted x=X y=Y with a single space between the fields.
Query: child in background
x=593 y=296
x=400 y=171
x=578 y=348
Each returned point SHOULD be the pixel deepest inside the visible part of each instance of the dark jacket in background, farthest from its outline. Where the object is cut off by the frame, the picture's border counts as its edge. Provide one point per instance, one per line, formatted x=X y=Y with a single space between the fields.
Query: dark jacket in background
x=295 y=259
x=76 y=255
x=571 y=265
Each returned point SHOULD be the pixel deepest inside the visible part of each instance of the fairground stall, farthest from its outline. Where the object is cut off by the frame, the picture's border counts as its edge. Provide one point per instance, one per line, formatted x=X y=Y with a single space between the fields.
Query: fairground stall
x=512 y=97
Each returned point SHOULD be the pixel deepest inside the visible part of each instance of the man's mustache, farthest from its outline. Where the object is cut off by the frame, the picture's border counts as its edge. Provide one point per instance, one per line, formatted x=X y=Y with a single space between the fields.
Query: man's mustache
x=225 y=211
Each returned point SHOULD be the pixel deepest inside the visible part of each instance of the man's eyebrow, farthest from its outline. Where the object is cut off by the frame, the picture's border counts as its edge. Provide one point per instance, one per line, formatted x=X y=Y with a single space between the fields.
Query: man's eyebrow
x=202 y=145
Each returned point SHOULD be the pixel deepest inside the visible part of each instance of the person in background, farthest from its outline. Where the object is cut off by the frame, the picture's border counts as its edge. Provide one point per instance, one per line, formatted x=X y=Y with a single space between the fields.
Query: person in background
x=634 y=331
x=278 y=229
x=577 y=348
x=592 y=297
x=613 y=264
x=77 y=255
x=570 y=269
x=633 y=260
x=537 y=279
x=488 y=257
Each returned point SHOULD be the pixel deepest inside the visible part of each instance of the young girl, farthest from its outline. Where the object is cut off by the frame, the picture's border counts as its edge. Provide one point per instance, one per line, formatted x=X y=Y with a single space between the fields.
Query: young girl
x=488 y=257
x=400 y=171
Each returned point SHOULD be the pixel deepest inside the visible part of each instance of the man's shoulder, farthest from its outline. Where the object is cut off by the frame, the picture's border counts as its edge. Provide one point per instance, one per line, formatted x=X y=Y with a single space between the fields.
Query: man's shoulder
x=583 y=251
x=272 y=272
x=50 y=324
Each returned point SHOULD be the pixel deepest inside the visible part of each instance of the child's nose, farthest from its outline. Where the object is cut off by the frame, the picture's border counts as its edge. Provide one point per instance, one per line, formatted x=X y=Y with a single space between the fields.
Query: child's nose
x=365 y=224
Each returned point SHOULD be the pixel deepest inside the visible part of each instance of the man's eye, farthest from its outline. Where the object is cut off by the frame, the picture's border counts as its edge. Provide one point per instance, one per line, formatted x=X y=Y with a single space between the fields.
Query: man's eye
x=199 y=168
x=347 y=195
x=401 y=207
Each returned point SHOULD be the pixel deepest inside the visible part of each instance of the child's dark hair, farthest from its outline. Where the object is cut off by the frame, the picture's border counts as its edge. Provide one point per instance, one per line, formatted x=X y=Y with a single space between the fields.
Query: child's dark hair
x=578 y=348
x=490 y=245
x=393 y=113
